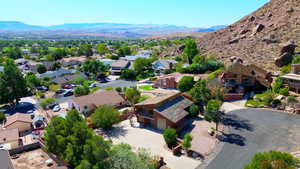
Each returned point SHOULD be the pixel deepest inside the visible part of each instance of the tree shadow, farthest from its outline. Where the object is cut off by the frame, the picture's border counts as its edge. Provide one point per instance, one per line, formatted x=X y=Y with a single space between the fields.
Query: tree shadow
x=232 y=139
x=22 y=107
x=116 y=132
x=236 y=122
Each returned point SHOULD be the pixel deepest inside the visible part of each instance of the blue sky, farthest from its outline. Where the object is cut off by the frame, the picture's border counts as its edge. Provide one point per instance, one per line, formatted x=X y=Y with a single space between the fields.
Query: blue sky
x=191 y=13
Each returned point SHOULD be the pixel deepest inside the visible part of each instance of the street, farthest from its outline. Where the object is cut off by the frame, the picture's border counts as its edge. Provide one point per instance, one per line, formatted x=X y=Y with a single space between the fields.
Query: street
x=252 y=131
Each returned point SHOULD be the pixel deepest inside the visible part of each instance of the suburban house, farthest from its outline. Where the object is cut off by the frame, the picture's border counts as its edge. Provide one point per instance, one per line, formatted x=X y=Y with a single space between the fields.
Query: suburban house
x=9 y=138
x=238 y=79
x=91 y=102
x=57 y=73
x=170 y=81
x=118 y=66
x=72 y=61
x=160 y=66
x=292 y=80
x=67 y=79
x=22 y=122
x=165 y=111
x=106 y=61
x=5 y=160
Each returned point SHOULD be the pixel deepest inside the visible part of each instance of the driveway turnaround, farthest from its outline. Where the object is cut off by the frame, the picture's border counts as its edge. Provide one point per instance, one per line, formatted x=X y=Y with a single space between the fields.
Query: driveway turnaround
x=151 y=140
x=118 y=83
x=252 y=131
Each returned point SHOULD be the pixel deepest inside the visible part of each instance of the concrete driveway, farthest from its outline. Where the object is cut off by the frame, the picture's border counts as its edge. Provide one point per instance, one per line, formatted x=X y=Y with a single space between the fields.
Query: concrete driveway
x=118 y=83
x=252 y=131
x=153 y=141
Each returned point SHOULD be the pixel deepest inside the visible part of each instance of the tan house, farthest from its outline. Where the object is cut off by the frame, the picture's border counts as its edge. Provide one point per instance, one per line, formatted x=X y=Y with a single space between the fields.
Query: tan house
x=92 y=101
x=9 y=138
x=21 y=121
x=292 y=80
x=118 y=66
x=239 y=78
x=72 y=61
x=166 y=111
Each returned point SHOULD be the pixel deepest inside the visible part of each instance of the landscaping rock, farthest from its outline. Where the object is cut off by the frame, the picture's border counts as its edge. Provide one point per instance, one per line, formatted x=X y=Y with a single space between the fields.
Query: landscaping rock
x=280 y=97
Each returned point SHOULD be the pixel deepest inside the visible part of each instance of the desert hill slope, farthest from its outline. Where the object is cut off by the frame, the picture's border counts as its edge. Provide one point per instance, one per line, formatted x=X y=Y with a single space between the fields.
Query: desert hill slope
x=257 y=38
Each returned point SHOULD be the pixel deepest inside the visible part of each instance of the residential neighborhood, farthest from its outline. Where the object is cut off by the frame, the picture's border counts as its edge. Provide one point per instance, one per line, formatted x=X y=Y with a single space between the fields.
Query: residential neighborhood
x=151 y=96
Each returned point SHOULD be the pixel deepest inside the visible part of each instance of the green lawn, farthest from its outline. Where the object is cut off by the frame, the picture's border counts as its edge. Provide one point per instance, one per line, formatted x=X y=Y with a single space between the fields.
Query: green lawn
x=253 y=103
x=146 y=87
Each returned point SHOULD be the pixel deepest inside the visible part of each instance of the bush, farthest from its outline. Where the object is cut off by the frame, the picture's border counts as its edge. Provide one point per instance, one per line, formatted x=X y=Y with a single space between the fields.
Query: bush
x=2 y=117
x=170 y=136
x=54 y=88
x=291 y=99
x=41 y=69
x=253 y=103
x=194 y=110
x=278 y=84
x=119 y=89
x=128 y=74
x=273 y=159
x=46 y=102
x=186 y=83
x=132 y=94
x=187 y=139
x=79 y=80
x=40 y=94
x=143 y=98
x=153 y=78
x=284 y=91
x=109 y=88
x=105 y=117
x=276 y=102
x=81 y=91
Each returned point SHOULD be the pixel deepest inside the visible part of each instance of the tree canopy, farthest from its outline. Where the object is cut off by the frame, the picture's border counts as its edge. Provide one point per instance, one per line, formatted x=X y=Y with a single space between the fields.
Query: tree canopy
x=105 y=117
x=200 y=93
x=93 y=67
x=186 y=83
x=190 y=50
x=13 y=85
x=273 y=160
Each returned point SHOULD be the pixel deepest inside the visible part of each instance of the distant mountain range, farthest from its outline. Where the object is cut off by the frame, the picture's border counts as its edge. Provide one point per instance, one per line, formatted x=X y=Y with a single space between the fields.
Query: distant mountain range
x=13 y=29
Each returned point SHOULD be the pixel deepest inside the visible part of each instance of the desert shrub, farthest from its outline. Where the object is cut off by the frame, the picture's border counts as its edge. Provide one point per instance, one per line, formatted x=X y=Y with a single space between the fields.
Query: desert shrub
x=170 y=136
x=194 y=110
x=284 y=91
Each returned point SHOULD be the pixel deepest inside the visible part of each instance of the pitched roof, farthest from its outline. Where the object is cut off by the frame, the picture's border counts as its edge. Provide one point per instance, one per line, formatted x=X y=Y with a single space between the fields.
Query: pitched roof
x=120 y=63
x=291 y=76
x=9 y=135
x=111 y=97
x=158 y=99
x=74 y=59
x=5 y=160
x=67 y=78
x=173 y=110
x=26 y=118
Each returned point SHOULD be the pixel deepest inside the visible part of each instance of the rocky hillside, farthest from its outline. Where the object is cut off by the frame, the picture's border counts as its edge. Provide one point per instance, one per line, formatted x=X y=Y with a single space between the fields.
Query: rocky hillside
x=261 y=37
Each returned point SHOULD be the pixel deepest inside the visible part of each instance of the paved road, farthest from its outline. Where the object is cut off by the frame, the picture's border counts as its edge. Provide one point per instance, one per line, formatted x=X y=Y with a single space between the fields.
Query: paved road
x=252 y=131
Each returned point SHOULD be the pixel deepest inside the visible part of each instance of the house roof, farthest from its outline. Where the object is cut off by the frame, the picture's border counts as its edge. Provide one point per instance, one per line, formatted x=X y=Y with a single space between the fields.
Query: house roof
x=164 y=64
x=57 y=73
x=74 y=59
x=173 y=109
x=9 y=135
x=291 y=76
x=97 y=99
x=67 y=78
x=5 y=160
x=26 y=118
x=158 y=99
x=120 y=63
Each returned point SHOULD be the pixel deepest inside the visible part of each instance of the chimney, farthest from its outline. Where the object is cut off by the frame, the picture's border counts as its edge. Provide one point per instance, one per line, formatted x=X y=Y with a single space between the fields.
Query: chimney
x=296 y=68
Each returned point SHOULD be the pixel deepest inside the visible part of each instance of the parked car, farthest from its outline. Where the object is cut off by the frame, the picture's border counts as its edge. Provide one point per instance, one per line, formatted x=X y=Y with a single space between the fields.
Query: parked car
x=51 y=106
x=92 y=85
x=56 y=108
x=60 y=91
x=68 y=93
x=67 y=87
x=42 y=88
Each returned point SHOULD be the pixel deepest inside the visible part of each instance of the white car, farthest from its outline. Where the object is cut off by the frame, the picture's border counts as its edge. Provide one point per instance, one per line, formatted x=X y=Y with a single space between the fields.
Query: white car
x=56 y=108
x=92 y=85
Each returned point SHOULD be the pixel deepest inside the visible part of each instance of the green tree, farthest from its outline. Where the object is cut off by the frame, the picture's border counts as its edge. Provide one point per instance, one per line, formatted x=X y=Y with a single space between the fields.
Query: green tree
x=13 y=85
x=277 y=85
x=93 y=67
x=194 y=110
x=13 y=52
x=124 y=51
x=190 y=50
x=128 y=74
x=81 y=90
x=133 y=94
x=41 y=69
x=273 y=160
x=186 y=143
x=46 y=102
x=32 y=80
x=186 y=83
x=213 y=113
x=2 y=117
x=105 y=117
x=170 y=136
x=142 y=64
x=200 y=93
x=85 y=50
x=101 y=49
x=122 y=156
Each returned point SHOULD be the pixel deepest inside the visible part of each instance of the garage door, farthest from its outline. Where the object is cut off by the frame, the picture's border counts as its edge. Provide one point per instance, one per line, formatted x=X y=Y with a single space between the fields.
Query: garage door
x=161 y=123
